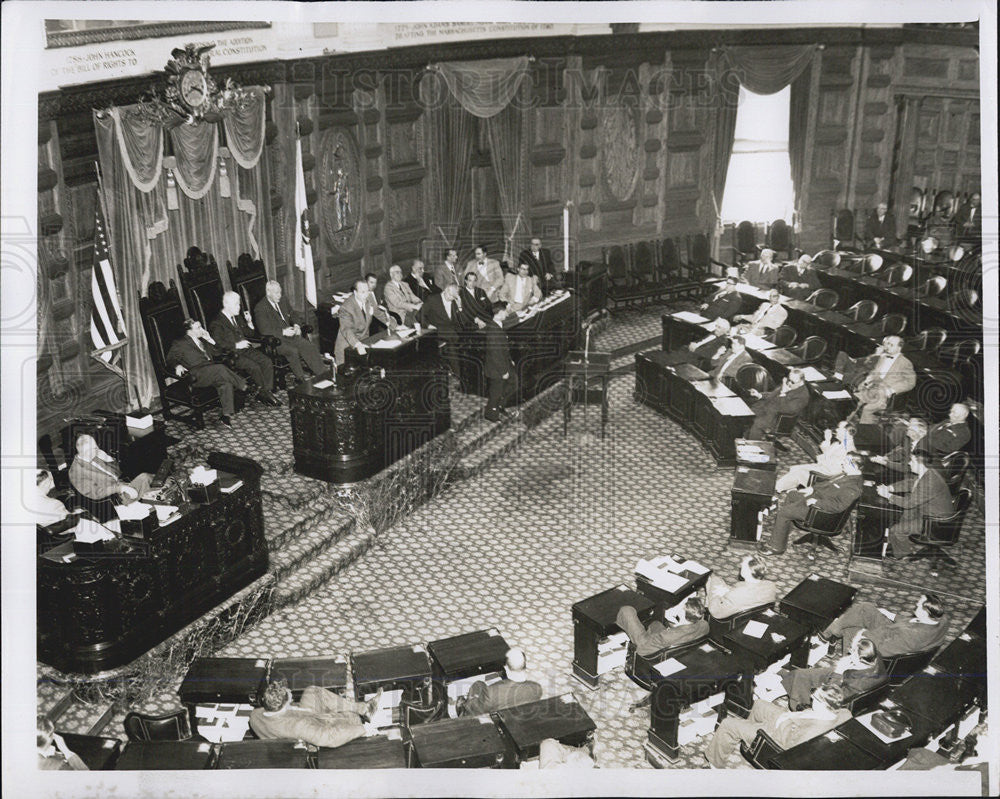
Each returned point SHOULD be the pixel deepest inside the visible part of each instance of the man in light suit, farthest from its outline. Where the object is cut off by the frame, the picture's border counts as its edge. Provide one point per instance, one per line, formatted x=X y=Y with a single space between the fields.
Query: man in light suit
x=489 y=275
x=539 y=261
x=95 y=474
x=274 y=317
x=832 y=495
x=355 y=320
x=520 y=290
x=399 y=298
x=791 y=397
x=233 y=336
x=763 y=273
x=449 y=273
x=687 y=623
x=752 y=589
x=919 y=631
x=770 y=315
x=516 y=689
x=927 y=496
x=878 y=377
x=880 y=227
x=422 y=285
x=727 y=362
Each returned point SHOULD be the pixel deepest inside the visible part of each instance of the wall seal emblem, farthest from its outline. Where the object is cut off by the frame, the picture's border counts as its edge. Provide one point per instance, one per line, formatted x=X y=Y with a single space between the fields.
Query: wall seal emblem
x=619 y=136
x=340 y=189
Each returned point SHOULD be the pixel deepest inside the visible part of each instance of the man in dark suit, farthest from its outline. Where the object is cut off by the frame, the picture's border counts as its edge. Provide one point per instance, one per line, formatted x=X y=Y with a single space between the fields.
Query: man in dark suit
x=791 y=397
x=727 y=362
x=725 y=304
x=539 y=261
x=763 y=273
x=941 y=439
x=195 y=352
x=902 y=440
x=969 y=220
x=904 y=634
x=927 y=496
x=798 y=280
x=233 y=336
x=516 y=689
x=833 y=496
x=477 y=310
x=274 y=317
x=444 y=311
x=859 y=671
x=420 y=284
x=449 y=272
x=880 y=228
x=687 y=623
x=498 y=369
x=702 y=351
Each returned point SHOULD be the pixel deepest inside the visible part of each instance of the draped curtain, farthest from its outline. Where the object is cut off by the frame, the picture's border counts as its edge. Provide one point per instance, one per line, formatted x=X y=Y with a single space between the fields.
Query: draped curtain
x=798 y=121
x=486 y=90
x=158 y=206
x=452 y=134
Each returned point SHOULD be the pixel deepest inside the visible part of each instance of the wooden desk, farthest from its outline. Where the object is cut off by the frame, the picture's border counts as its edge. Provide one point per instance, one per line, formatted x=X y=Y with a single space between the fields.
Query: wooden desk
x=300 y=673
x=580 y=373
x=594 y=619
x=467 y=655
x=99 y=754
x=937 y=697
x=466 y=742
x=558 y=717
x=393 y=668
x=752 y=492
x=262 y=754
x=107 y=608
x=166 y=756
x=665 y=599
x=887 y=753
x=376 y=752
x=816 y=601
x=762 y=652
x=874 y=515
x=828 y=752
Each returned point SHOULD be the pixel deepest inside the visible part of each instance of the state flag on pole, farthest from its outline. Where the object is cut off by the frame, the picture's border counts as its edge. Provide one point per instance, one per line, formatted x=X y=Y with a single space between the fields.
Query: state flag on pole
x=107 y=326
x=303 y=249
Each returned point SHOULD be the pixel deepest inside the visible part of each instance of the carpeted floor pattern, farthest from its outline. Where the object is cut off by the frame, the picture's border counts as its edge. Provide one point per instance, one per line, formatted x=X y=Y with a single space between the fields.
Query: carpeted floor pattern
x=551 y=521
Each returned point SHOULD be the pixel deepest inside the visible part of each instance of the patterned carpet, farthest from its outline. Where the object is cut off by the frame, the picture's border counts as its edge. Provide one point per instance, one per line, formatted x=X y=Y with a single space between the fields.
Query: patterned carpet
x=551 y=521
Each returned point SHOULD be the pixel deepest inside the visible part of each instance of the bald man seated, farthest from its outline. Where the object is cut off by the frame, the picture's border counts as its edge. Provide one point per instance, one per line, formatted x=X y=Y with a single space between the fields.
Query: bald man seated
x=877 y=378
x=938 y=440
x=686 y=622
x=96 y=475
x=517 y=689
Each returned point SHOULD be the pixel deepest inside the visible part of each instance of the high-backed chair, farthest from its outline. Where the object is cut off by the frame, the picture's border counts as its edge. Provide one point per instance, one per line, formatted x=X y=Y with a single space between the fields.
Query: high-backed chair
x=746 y=241
x=826 y=259
x=784 y=426
x=719 y=628
x=863 y=311
x=961 y=351
x=901 y=667
x=641 y=669
x=872 y=264
x=671 y=268
x=932 y=287
x=163 y=321
x=821 y=526
x=174 y=726
x=929 y=340
x=844 y=234
x=938 y=535
x=753 y=376
x=824 y=299
x=202 y=285
x=644 y=277
x=699 y=257
x=249 y=280
x=954 y=467
x=866 y=700
x=892 y=324
x=897 y=275
x=779 y=238
x=621 y=289
x=783 y=336
x=811 y=350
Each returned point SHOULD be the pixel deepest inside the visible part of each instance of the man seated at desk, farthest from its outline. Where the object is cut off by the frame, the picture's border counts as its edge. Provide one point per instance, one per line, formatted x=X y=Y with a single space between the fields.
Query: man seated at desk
x=355 y=317
x=489 y=275
x=939 y=440
x=275 y=318
x=53 y=754
x=903 y=634
x=724 y=304
x=521 y=290
x=195 y=352
x=764 y=273
x=444 y=311
x=475 y=308
x=833 y=449
x=320 y=718
x=702 y=351
x=903 y=438
x=95 y=474
x=516 y=689
x=926 y=496
x=856 y=672
x=832 y=495
x=399 y=298
x=727 y=362
x=233 y=336
x=787 y=728
x=798 y=280
x=422 y=285
x=769 y=316
x=751 y=589
x=880 y=228
x=791 y=397
x=878 y=377
x=686 y=622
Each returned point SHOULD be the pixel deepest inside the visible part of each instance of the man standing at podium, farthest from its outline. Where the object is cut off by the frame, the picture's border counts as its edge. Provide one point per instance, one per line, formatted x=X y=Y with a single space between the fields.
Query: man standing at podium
x=355 y=317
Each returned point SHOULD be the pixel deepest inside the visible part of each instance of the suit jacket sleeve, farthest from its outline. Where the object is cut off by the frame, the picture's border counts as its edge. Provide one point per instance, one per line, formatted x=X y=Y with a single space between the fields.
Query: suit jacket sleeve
x=834 y=496
x=901 y=377
x=856 y=681
x=308 y=727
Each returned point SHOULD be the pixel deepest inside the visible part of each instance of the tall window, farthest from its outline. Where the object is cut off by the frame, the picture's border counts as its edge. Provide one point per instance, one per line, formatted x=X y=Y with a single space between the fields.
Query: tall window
x=759 y=180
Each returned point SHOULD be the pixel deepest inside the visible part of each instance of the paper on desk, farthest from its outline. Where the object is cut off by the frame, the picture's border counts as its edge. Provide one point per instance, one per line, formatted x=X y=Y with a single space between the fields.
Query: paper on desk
x=688 y=316
x=387 y=344
x=164 y=512
x=866 y=722
x=842 y=394
x=668 y=581
x=812 y=374
x=89 y=531
x=323 y=384
x=403 y=330
x=134 y=511
x=731 y=406
x=755 y=629
x=694 y=566
x=888 y=614
x=669 y=666
x=757 y=343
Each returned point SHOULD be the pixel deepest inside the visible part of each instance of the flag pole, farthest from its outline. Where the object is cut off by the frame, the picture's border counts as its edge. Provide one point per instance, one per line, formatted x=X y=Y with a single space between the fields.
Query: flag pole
x=124 y=367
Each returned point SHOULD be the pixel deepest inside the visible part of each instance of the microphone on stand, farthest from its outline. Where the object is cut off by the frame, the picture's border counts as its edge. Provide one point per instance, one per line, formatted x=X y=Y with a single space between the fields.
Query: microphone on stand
x=586 y=346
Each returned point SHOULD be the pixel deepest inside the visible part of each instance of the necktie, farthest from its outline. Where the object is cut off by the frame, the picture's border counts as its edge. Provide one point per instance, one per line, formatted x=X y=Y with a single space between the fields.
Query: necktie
x=200 y=346
x=278 y=309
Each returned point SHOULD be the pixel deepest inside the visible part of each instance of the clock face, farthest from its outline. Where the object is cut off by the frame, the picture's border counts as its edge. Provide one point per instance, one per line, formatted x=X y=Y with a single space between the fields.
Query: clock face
x=193 y=87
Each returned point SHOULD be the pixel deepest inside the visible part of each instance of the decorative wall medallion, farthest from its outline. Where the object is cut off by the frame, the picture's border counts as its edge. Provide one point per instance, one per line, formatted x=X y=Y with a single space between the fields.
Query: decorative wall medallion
x=340 y=189
x=620 y=148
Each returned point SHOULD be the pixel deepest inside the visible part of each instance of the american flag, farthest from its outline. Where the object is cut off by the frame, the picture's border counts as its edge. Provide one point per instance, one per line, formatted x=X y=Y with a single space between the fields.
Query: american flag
x=107 y=327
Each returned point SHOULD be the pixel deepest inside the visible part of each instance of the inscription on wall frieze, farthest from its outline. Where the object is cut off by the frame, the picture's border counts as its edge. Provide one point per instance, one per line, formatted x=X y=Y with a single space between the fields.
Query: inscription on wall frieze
x=920 y=67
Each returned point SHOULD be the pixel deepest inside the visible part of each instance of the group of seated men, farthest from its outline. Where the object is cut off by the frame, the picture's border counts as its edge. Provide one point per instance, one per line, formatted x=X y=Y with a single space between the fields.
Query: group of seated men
x=818 y=696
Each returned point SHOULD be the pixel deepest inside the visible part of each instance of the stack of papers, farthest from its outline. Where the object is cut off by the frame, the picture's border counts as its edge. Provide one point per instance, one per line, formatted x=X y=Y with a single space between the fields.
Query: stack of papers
x=387 y=344
x=751 y=453
x=731 y=406
x=669 y=666
x=323 y=384
x=139 y=422
x=662 y=572
x=611 y=652
x=387 y=714
x=223 y=723
x=688 y=316
x=812 y=374
x=842 y=394
x=88 y=531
